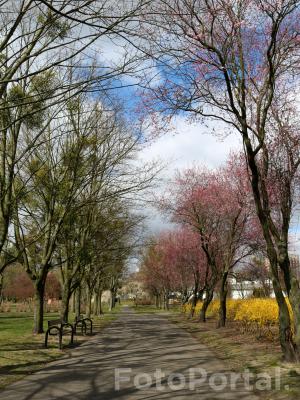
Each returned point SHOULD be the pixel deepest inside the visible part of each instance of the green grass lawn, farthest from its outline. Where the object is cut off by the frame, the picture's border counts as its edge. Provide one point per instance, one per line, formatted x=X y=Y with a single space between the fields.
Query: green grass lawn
x=22 y=353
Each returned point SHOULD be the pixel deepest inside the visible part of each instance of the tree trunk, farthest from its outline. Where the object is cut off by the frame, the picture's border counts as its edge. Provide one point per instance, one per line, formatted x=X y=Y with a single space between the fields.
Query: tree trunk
x=1 y=288
x=78 y=301
x=100 y=302
x=156 y=301
x=112 y=300
x=39 y=306
x=183 y=297
x=164 y=301
x=167 y=301
x=223 y=298
x=288 y=346
x=292 y=287
x=295 y=303
x=194 y=302
x=96 y=304
x=160 y=305
x=193 y=305
x=88 y=303
x=65 y=303
x=285 y=332
x=73 y=303
x=206 y=303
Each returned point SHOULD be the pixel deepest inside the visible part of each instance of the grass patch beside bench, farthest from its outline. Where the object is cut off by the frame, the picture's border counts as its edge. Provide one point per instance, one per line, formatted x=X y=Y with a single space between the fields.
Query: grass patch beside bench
x=22 y=353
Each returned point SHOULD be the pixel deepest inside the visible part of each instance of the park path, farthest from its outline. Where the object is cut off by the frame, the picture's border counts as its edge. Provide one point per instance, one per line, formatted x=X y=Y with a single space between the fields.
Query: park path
x=139 y=342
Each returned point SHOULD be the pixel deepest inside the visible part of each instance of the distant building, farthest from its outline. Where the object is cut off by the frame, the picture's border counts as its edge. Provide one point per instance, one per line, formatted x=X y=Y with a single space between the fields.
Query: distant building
x=244 y=289
x=295 y=265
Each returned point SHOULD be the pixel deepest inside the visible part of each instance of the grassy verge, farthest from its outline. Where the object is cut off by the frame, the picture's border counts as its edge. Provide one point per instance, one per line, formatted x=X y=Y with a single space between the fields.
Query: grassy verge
x=22 y=353
x=243 y=351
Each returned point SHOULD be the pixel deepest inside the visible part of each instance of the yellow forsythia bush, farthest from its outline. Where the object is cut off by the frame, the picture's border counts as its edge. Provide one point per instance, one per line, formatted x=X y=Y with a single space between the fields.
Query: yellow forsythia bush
x=256 y=316
x=261 y=311
x=254 y=310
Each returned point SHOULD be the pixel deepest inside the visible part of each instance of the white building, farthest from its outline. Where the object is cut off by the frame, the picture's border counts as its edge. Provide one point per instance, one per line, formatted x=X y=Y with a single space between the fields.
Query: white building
x=244 y=289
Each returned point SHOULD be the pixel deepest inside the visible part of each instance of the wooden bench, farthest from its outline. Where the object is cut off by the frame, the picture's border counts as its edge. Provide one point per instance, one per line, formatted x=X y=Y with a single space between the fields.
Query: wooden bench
x=57 y=327
x=82 y=322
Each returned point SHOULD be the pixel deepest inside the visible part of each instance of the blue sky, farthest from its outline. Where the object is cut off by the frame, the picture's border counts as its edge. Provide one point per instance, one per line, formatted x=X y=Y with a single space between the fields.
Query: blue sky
x=191 y=144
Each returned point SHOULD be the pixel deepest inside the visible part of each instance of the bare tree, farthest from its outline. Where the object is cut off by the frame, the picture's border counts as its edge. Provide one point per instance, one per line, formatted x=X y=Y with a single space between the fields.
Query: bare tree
x=40 y=42
x=237 y=62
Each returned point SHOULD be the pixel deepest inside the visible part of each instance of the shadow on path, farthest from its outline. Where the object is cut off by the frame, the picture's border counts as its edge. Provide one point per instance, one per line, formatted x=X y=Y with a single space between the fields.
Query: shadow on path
x=141 y=343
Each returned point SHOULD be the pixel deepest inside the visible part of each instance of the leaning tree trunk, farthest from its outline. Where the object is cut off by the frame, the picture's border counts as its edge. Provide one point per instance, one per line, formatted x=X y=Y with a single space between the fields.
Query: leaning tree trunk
x=39 y=306
x=208 y=298
x=223 y=298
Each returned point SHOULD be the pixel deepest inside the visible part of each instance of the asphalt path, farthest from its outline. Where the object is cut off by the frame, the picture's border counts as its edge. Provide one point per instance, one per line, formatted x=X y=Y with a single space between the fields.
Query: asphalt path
x=137 y=357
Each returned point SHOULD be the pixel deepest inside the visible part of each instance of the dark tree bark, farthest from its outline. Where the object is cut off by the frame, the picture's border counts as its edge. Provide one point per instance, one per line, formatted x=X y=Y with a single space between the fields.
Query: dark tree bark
x=39 y=306
x=1 y=288
x=88 y=303
x=223 y=298
x=100 y=302
x=65 y=303
x=208 y=298
x=112 y=300
x=78 y=301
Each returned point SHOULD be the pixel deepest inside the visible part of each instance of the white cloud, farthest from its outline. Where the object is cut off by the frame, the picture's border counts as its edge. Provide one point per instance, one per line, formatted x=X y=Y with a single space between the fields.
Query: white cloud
x=190 y=146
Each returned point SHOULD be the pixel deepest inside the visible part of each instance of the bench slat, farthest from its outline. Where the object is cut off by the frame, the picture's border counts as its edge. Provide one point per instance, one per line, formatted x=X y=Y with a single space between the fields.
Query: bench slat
x=55 y=322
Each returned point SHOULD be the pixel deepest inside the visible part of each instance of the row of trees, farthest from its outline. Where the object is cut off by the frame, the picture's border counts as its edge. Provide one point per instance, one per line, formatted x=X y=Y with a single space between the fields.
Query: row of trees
x=237 y=63
x=216 y=235
x=67 y=175
x=18 y=287
x=217 y=230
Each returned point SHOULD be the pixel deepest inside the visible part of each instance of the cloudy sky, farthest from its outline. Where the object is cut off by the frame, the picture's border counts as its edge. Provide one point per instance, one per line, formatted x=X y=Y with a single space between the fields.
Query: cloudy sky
x=189 y=146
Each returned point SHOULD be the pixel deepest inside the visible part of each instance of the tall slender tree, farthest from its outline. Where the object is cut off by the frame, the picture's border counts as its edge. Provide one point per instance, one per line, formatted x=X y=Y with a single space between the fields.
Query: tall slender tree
x=237 y=62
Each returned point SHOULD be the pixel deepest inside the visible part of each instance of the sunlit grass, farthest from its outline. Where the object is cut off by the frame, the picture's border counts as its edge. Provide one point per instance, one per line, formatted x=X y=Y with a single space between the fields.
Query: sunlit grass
x=22 y=352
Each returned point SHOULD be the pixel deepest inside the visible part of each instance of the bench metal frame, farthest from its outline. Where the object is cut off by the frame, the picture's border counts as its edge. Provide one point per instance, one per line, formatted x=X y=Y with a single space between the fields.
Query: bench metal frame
x=56 y=328
x=82 y=322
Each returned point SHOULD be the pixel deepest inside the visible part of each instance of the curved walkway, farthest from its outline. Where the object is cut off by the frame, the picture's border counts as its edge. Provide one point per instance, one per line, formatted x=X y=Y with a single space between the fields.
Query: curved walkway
x=138 y=357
